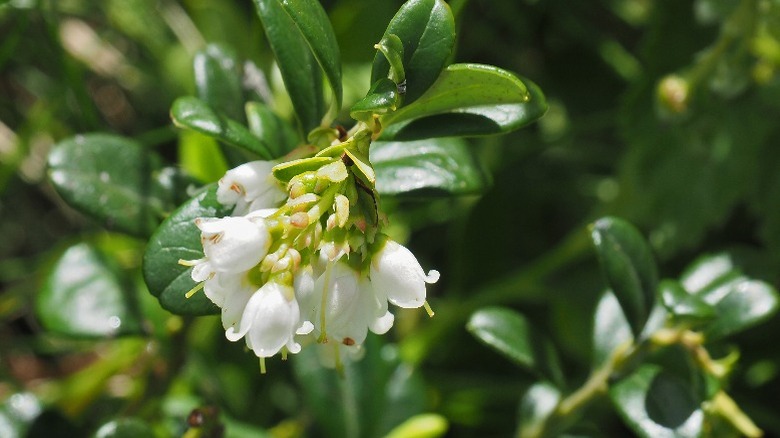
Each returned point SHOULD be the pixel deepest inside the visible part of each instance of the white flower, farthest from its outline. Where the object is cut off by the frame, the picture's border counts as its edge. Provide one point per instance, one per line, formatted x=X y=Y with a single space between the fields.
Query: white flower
x=270 y=321
x=250 y=186
x=231 y=245
x=396 y=274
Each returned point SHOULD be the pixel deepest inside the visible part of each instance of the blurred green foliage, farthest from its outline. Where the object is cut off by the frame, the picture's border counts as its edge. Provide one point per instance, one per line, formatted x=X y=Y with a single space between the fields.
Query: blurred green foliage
x=662 y=112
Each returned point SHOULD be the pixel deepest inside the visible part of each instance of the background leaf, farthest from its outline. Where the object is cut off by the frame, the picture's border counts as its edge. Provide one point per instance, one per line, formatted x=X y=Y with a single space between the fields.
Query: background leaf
x=610 y=329
x=628 y=265
x=510 y=333
x=538 y=403
x=176 y=239
x=218 y=80
x=427 y=30
x=427 y=167
x=112 y=179
x=739 y=304
x=272 y=130
x=125 y=428
x=85 y=296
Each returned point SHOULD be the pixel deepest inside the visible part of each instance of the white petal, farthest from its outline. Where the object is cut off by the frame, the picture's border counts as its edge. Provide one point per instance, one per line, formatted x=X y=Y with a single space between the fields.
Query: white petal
x=202 y=271
x=382 y=324
x=396 y=273
x=234 y=244
x=274 y=322
x=345 y=307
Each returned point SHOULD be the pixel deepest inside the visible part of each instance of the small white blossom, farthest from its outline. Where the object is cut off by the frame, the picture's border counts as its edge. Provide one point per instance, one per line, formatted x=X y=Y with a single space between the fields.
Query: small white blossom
x=231 y=245
x=250 y=186
x=397 y=274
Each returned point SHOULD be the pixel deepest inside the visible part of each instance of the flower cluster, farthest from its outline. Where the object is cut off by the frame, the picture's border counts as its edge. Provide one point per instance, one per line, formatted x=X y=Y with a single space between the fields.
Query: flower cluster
x=302 y=259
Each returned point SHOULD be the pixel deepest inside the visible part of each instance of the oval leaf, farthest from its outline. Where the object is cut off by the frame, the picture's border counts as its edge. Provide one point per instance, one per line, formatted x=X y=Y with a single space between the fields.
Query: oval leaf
x=427 y=30
x=510 y=333
x=656 y=404
x=683 y=305
x=381 y=98
x=707 y=272
x=111 y=179
x=286 y=171
x=628 y=265
x=271 y=129
x=192 y=113
x=739 y=304
x=176 y=239
x=84 y=296
x=218 y=80
x=300 y=71
x=469 y=119
x=536 y=407
x=610 y=329
x=427 y=168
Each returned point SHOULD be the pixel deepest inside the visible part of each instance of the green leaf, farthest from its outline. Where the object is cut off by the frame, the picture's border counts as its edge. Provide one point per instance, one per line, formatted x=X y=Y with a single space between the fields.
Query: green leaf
x=739 y=304
x=176 y=239
x=17 y=413
x=538 y=403
x=707 y=272
x=443 y=166
x=655 y=403
x=510 y=333
x=683 y=305
x=85 y=296
x=276 y=133
x=218 y=80
x=114 y=180
x=393 y=49
x=192 y=113
x=610 y=329
x=427 y=30
x=125 y=428
x=628 y=266
x=421 y=426
x=297 y=63
x=381 y=98
x=200 y=155
x=456 y=116
x=286 y=171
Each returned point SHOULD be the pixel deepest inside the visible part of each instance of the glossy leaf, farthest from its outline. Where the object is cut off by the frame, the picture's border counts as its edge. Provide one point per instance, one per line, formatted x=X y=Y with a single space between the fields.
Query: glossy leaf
x=683 y=305
x=274 y=132
x=381 y=98
x=536 y=406
x=17 y=413
x=393 y=49
x=427 y=167
x=176 y=239
x=610 y=329
x=462 y=86
x=125 y=428
x=300 y=69
x=218 y=80
x=739 y=304
x=193 y=113
x=510 y=333
x=112 y=179
x=628 y=266
x=427 y=30
x=85 y=296
x=658 y=404
x=707 y=272
x=286 y=171
x=468 y=119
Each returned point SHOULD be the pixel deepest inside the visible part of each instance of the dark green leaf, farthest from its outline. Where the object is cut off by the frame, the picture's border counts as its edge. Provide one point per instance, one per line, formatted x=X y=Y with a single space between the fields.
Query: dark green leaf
x=427 y=30
x=313 y=25
x=443 y=166
x=300 y=71
x=276 y=133
x=510 y=333
x=739 y=304
x=628 y=265
x=610 y=329
x=707 y=272
x=683 y=305
x=381 y=98
x=111 y=179
x=193 y=113
x=471 y=119
x=176 y=239
x=538 y=403
x=218 y=80
x=655 y=403
x=85 y=296
x=125 y=428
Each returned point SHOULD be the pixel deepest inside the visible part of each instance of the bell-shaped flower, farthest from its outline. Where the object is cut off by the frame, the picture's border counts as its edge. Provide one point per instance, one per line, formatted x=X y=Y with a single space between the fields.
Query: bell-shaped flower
x=396 y=274
x=270 y=321
x=250 y=186
x=231 y=293
x=231 y=245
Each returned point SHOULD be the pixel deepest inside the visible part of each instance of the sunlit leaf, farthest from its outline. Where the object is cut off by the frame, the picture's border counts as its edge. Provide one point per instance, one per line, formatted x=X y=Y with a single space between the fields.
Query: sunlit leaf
x=538 y=403
x=218 y=80
x=610 y=329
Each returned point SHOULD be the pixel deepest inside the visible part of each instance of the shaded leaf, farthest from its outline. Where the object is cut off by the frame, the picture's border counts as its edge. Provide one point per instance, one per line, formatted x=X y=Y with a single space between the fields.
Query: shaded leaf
x=628 y=266
x=218 y=80
x=658 y=404
x=427 y=167
x=125 y=428
x=111 y=179
x=470 y=119
x=271 y=129
x=176 y=239
x=510 y=333
x=682 y=305
x=85 y=296
x=427 y=30
x=192 y=113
